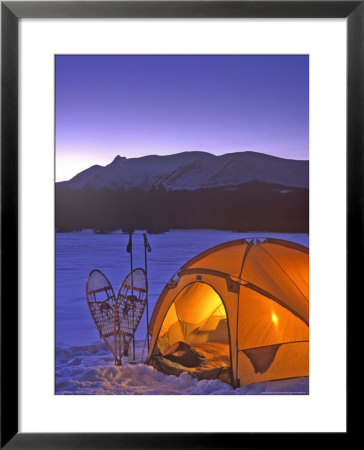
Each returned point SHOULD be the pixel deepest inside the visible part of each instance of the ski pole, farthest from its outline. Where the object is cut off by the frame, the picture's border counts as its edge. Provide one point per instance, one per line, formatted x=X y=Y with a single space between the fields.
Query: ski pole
x=147 y=248
x=129 y=249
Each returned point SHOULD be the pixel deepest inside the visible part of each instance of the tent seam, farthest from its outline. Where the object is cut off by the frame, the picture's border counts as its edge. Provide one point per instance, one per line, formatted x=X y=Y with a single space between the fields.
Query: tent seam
x=248 y=247
x=267 y=294
x=272 y=257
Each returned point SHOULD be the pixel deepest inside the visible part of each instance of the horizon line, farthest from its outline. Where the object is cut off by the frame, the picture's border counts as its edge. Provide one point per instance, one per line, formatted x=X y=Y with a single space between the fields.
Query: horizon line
x=180 y=153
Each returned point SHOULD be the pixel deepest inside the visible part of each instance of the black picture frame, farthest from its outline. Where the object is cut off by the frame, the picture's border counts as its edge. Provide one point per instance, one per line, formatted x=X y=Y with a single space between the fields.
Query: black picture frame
x=11 y=12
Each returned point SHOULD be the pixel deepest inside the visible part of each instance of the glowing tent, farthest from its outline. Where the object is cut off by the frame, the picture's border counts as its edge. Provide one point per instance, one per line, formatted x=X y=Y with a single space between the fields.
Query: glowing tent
x=243 y=307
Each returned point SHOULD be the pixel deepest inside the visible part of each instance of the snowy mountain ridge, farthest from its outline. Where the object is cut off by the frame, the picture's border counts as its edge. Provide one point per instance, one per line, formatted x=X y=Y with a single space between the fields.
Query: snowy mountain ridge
x=191 y=171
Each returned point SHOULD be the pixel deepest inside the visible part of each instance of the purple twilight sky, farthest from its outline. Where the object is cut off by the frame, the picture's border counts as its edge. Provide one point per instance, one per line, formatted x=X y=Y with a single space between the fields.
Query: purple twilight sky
x=108 y=105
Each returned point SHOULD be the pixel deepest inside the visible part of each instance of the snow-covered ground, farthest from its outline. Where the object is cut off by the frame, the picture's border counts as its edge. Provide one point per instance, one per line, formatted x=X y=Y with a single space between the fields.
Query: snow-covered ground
x=91 y=370
x=83 y=363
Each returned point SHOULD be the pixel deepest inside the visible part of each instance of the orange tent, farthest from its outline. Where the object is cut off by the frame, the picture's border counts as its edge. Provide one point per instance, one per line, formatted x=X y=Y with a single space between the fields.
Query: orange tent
x=243 y=306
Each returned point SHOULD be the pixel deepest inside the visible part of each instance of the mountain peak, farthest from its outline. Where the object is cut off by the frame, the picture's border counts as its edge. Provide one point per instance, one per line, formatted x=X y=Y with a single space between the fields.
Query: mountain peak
x=194 y=170
x=118 y=159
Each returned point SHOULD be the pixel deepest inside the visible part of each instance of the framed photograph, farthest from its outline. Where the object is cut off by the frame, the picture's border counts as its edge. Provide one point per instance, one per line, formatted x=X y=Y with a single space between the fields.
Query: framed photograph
x=181 y=211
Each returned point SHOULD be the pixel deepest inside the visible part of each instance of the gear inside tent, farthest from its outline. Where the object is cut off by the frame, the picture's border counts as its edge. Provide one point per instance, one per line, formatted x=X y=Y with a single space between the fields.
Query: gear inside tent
x=238 y=312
